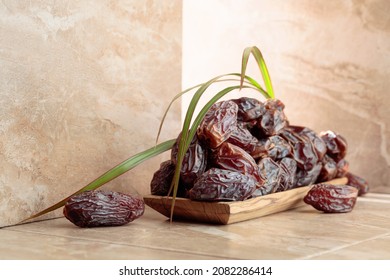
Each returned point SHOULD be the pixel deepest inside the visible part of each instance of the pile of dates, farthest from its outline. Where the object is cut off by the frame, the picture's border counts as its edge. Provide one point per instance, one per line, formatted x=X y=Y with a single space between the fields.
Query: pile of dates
x=246 y=148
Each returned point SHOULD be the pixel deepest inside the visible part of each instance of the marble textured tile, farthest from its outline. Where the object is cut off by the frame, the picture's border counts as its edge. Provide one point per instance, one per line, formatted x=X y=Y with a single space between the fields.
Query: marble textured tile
x=297 y=234
x=83 y=86
x=328 y=60
x=379 y=248
x=30 y=246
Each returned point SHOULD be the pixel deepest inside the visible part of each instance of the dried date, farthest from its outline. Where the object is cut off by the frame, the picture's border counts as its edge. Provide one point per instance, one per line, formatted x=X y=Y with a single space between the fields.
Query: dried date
x=231 y=157
x=342 y=168
x=277 y=148
x=287 y=174
x=242 y=138
x=308 y=177
x=219 y=185
x=335 y=143
x=162 y=178
x=357 y=182
x=332 y=198
x=249 y=109
x=269 y=171
x=309 y=135
x=218 y=124
x=328 y=170
x=273 y=121
x=194 y=161
x=103 y=208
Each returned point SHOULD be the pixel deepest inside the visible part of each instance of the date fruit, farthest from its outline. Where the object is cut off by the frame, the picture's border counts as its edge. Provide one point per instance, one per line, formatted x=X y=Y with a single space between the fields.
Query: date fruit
x=335 y=143
x=162 y=178
x=357 y=182
x=220 y=184
x=332 y=198
x=232 y=157
x=103 y=208
x=194 y=161
x=218 y=124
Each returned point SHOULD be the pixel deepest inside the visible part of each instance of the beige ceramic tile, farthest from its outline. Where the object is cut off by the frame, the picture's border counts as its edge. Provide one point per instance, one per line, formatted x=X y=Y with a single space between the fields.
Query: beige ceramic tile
x=293 y=234
x=376 y=248
x=27 y=245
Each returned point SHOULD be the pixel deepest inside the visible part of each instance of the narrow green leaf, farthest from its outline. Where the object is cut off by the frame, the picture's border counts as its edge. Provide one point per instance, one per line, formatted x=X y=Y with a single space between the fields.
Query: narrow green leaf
x=169 y=107
x=255 y=51
x=112 y=173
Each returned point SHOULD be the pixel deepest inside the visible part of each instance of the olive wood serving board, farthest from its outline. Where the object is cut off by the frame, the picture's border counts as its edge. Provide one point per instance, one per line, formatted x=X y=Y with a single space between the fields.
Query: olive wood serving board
x=231 y=212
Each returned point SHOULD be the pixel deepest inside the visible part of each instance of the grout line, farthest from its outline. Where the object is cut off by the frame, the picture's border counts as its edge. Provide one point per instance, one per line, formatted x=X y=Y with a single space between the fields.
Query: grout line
x=126 y=244
x=344 y=246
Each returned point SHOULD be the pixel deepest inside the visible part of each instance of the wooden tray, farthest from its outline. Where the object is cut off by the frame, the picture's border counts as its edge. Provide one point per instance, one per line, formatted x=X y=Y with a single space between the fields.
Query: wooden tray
x=231 y=212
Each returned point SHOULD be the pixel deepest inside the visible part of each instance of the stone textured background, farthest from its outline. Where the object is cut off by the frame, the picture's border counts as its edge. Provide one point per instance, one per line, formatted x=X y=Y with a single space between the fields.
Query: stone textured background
x=83 y=86
x=329 y=62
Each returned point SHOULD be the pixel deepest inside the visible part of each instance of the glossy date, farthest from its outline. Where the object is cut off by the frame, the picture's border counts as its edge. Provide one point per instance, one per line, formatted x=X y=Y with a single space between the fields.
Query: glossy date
x=103 y=208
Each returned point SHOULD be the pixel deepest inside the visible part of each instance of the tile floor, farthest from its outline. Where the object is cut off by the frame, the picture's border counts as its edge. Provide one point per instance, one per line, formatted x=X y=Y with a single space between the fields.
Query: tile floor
x=302 y=233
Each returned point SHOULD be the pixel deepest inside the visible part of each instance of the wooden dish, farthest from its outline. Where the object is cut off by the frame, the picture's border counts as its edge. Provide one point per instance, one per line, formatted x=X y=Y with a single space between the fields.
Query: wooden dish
x=231 y=212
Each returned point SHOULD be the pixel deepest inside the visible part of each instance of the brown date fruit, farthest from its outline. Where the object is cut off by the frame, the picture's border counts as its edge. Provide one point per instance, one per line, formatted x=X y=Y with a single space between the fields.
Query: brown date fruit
x=316 y=141
x=303 y=150
x=218 y=124
x=357 y=182
x=328 y=170
x=220 y=185
x=273 y=121
x=269 y=171
x=332 y=198
x=232 y=157
x=242 y=138
x=305 y=155
x=103 y=208
x=249 y=108
x=342 y=168
x=287 y=174
x=335 y=143
x=194 y=161
x=277 y=148
x=308 y=177
x=162 y=178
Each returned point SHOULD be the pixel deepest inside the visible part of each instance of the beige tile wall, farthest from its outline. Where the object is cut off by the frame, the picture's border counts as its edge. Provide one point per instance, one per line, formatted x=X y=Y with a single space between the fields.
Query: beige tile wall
x=329 y=62
x=83 y=85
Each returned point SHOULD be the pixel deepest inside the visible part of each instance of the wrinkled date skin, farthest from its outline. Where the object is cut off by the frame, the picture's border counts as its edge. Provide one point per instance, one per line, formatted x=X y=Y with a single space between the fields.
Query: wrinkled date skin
x=223 y=185
x=218 y=124
x=316 y=141
x=308 y=177
x=162 y=178
x=231 y=157
x=269 y=171
x=332 y=198
x=194 y=161
x=335 y=143
x=273 y=121
x=287 y=177
x=329 y=169
x=242 y=138
x=103 y=208
x=249 y=109
x=277 y=148
x=357 y=182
